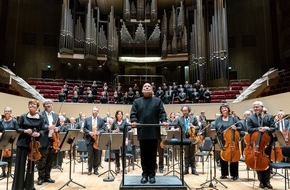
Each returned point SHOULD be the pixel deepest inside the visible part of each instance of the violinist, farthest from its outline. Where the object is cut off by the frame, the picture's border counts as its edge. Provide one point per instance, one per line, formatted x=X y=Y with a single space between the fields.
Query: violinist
x=283 y=125
x=7 y=123
x=93 y=126
x=259 y=122
x=188 y=123
x=222 y=123
x=118 y=127
x=47 y=151
x=30 y=125
x=60 y=155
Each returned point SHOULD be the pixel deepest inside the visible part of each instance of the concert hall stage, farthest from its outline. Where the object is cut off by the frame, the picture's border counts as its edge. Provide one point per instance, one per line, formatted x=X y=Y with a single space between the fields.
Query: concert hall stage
x=162 y=183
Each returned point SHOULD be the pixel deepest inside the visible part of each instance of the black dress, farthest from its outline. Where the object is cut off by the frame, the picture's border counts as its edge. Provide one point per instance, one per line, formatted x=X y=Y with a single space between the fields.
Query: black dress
x=22 y=151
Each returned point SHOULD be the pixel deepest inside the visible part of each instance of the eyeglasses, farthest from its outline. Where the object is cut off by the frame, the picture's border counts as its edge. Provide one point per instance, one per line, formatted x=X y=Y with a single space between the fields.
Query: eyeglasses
x=7 y=111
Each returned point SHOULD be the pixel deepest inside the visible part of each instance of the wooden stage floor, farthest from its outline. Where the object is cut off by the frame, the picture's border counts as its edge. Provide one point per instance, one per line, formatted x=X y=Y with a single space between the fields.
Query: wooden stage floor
x=94 y=182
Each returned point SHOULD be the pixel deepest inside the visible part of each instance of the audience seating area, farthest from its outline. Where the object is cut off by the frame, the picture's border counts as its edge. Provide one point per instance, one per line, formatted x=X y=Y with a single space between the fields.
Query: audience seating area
x=50 y=88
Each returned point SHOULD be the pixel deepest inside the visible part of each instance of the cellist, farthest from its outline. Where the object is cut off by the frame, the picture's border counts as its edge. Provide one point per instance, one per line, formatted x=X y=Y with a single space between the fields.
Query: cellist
x=263 y=123
x=222 y=123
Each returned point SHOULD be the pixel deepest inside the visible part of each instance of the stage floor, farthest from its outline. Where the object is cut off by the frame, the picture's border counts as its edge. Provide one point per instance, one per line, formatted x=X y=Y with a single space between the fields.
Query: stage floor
x=162 y=182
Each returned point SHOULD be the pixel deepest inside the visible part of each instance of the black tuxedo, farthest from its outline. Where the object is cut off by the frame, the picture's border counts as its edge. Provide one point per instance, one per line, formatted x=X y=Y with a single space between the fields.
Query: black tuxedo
x=94 y=155
x=44 y=140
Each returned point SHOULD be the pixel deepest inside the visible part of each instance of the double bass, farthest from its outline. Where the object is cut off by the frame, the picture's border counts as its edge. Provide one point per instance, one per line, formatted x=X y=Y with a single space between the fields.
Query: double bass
x=231 y=151
x=255 y=156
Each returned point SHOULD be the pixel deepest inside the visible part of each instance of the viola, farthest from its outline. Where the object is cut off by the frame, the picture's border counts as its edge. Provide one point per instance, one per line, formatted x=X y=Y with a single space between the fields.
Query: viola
x=231 y=151
x=56 y=141
x=255 y=156
x=6 y=153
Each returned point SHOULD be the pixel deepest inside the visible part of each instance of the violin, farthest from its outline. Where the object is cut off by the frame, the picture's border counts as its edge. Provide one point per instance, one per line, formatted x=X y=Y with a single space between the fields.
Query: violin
x=34 y=154
x=192 y=134
x=6 y=153
x=255 y=156
x=96 y=138
x=231 y=151
x=56 y=141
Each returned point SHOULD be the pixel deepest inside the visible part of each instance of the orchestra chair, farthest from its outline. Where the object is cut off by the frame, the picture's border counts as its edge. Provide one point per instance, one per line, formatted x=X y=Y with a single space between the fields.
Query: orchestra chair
x=83 y=152
x=283 y=165
x=5 y=164
x=204 y=150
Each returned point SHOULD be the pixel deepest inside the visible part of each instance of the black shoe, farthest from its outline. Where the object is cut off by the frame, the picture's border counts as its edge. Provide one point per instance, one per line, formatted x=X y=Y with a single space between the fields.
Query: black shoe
x=144 y=179
x=89 y=173
x=224 y=177
x=193 y=171
x=235 y=178
x=262 y=185
x=268 y=185
x=117 y=170
x=96 y=172
x=39 y=181
x=152 y=180
x=49 y=180
x=186 y=171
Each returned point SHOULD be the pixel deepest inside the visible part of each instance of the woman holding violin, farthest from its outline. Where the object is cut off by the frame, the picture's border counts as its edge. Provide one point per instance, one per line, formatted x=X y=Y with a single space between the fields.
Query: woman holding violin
x=118 y=126
x=7 y=123
x=227 y=127
x=30 y=127
x=262 y=124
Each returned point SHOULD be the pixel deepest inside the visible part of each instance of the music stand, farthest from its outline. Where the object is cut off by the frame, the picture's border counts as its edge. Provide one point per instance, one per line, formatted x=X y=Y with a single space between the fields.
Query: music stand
x=9 y=137
x=69 y=140
x=171 y=136
x=110 y=141
x=216 y=145
x=280 y=140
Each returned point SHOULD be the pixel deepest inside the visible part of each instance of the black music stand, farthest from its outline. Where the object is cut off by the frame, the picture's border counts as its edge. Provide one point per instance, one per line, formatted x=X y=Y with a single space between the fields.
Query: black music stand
x=9 y=137
x=110 y=141
x=69 y=140
x=171 y=137
x=216 y=145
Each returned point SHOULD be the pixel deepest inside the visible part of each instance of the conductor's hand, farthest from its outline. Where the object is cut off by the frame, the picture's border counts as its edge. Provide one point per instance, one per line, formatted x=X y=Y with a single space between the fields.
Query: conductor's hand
x=164 y=124
x=134 y=125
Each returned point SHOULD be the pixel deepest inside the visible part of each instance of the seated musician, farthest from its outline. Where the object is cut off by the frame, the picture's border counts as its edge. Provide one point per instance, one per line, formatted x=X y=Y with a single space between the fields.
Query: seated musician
x=263 y=123
x=7 y=123
x=222 y=123
x=283 y=125
x=187 y=122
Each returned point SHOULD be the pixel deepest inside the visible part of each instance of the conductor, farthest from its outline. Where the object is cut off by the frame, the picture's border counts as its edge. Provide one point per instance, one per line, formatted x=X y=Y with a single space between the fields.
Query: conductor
x=148 y=110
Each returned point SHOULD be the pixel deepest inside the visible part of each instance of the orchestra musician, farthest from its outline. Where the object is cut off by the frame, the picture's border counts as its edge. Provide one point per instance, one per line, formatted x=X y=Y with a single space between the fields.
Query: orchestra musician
x=283 y=125
x=30 y=125
x=118 y=126
x=60 y=155
x=222 y=123
x=263 y=123
x=93 y=126
x=188 y=123
x=217 y=152
x=47 y=151
x=148 y=110
x=244 y=130
x=7 y=123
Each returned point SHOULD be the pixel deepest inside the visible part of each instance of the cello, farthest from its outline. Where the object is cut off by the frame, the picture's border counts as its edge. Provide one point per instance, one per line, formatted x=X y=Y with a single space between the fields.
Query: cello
x=231 y=151
x=255 y=156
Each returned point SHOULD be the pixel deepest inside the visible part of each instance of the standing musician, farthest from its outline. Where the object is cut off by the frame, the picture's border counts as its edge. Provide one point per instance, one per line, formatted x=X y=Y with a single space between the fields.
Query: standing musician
x=7 y=123
x=118 y=127
x=222 y=123
x=259 y=122
x=47 y=151
x=283 y=125
x=93 y=127
x=30 y=125
x=148 y=110
x=189 y=126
